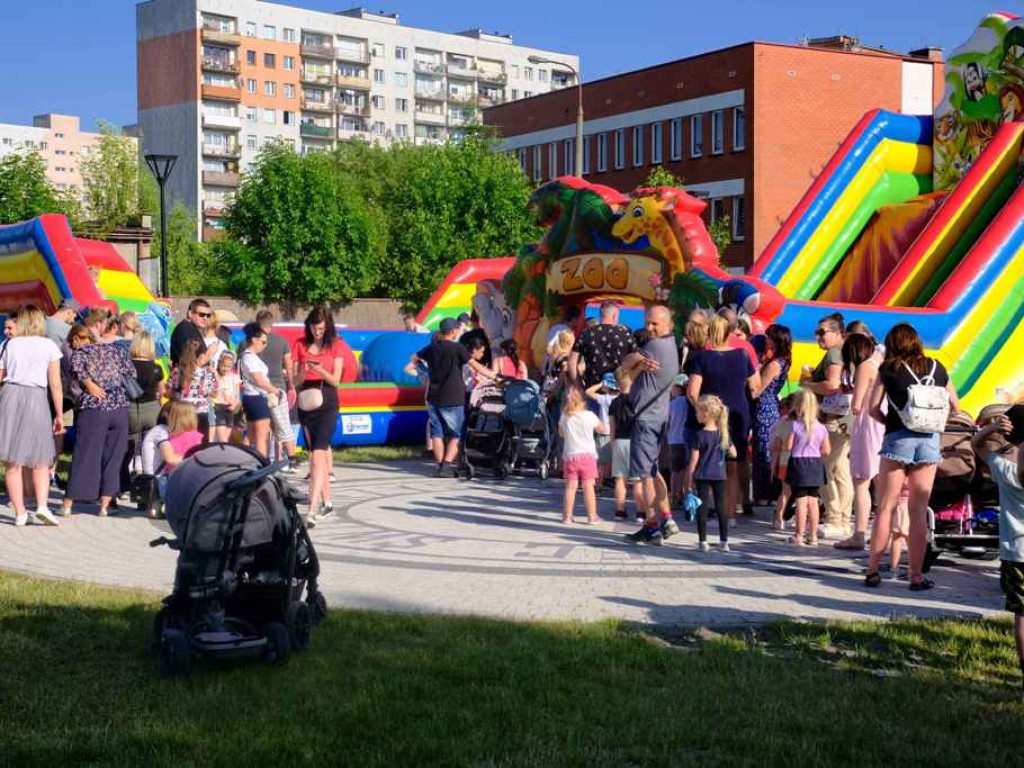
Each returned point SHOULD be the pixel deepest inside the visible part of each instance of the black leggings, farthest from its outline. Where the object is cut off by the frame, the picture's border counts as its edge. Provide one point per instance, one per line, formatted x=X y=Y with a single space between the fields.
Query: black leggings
x=712 y=493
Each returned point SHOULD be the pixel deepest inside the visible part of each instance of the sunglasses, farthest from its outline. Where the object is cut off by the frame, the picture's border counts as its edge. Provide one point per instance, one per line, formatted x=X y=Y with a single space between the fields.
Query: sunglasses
x=205 y=314
x=822 y=331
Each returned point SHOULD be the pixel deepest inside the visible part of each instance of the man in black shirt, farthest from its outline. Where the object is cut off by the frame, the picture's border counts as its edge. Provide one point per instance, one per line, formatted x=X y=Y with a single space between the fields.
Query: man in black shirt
x=446 y=393
x=193 y=329
x=601 y=347
x=478 y=332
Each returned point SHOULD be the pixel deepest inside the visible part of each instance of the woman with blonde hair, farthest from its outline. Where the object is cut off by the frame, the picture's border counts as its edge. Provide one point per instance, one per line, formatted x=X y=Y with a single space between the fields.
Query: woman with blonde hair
x=808 y=443
x=144 y=410
x=30 y=413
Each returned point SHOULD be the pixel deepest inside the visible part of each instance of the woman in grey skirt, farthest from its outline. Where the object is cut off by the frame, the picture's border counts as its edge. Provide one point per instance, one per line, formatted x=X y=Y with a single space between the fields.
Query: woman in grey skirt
x=30 y=413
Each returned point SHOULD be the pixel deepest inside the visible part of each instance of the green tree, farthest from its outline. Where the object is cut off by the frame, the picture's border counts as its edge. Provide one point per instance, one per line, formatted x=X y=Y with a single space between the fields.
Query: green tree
x=721 y=235
x=660 y=176
x=300 y=230
x=111 y=175
x=191 y=268
x=25 y=191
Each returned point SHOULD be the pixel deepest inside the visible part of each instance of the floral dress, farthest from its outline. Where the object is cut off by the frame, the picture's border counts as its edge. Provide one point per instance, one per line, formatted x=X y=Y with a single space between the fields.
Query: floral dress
x=765 y=416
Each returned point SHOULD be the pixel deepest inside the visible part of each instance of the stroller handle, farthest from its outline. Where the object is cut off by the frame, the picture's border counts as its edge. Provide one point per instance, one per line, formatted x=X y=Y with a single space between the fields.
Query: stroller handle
x=255 y=476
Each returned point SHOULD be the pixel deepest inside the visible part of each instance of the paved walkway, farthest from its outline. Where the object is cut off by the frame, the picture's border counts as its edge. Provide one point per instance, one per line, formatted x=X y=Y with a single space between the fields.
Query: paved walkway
x=403 y=540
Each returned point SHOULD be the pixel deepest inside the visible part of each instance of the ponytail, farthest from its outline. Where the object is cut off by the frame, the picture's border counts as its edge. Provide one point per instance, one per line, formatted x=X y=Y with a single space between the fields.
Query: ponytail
x=713 y=407
x=511 y=350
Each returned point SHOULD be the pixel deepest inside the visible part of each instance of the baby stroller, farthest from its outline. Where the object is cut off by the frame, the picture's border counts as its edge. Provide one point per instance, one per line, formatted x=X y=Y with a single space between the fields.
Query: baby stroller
x=486 y=442
x=960 y=515
x=527 y=420
x=246 y=578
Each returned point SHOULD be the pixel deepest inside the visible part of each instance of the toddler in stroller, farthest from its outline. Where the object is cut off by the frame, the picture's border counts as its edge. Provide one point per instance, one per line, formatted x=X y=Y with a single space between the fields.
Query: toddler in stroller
x=246 y=578
x=527 y=420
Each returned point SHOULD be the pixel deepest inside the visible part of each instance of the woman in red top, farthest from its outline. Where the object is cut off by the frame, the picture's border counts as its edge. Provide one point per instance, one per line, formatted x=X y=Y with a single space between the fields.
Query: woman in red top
x=317 y=364
x=508 y=364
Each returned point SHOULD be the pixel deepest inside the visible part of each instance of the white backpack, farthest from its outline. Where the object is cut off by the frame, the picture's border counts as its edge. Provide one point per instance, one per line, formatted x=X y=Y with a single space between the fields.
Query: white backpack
x=927 y=405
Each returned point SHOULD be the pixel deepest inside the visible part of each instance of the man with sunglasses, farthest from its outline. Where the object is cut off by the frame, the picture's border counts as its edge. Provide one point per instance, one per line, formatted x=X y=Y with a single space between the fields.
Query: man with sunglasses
x=193 y=328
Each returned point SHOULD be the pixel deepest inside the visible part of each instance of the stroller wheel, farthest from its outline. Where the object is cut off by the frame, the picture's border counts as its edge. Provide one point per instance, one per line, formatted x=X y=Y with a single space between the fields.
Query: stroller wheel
x=319 y=607
x=299 y=621
x=503 y=470
x=544 y=469
x=469 y=471
x=279 y=646
x=163 y=621
x=175 y=653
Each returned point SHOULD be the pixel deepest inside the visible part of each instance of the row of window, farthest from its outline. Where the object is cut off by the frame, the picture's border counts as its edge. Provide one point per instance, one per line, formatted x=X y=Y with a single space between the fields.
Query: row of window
x=270 y=60
x=638 y=135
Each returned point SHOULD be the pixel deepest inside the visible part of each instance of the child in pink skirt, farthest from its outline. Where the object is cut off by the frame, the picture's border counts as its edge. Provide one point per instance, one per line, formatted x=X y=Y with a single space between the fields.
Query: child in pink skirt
x=579 y=453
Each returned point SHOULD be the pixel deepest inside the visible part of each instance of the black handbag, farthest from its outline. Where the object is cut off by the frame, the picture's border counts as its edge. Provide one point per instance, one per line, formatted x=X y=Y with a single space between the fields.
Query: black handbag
x=132 y=388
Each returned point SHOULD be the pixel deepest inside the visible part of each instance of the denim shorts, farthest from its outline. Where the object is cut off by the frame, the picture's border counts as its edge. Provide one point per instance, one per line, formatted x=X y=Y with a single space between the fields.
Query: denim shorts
x=911 y=448
x=446 y=423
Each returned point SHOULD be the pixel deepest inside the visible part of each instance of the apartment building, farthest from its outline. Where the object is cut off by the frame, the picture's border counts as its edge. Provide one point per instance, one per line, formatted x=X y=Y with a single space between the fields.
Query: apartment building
x=61 y=142
x=220 y=78
x=747 y=127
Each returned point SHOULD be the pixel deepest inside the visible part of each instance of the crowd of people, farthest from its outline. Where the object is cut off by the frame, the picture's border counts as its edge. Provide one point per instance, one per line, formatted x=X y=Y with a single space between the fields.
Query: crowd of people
x=97 y=371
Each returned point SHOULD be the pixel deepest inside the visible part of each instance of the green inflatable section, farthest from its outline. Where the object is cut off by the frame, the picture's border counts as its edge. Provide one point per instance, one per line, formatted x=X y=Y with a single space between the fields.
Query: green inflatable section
x=1002 y=322
x=891 y=188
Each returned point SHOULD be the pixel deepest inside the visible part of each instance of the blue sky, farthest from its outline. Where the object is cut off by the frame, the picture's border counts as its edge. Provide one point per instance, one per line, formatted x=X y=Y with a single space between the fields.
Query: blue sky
x=78 y=56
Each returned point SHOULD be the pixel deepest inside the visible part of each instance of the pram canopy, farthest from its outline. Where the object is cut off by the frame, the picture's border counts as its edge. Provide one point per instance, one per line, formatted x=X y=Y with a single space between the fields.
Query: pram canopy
x=523 y=404
x=199 y=506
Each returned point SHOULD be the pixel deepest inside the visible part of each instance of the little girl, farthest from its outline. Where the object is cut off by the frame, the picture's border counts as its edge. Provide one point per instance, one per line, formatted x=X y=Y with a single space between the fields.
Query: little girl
x=470 y=377
x=807 y=443
x=225 y=400
x=708 y=452
x=579 y=453
x=780 y=460
x=900 y=530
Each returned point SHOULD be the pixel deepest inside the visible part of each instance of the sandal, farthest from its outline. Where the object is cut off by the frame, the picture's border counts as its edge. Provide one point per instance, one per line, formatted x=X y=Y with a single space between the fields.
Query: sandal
x=812 y=542
x=854 y=543
x=922 y=585
x=874 y=579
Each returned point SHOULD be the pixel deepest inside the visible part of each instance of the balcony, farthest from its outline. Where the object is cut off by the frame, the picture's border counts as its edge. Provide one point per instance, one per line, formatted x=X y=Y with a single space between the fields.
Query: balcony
x=317 y=78
x=489 y=101
x=348 y=54
x=362 y=133
x=231 y=122
x=353 y=81
x=212 y=234
x=428 y=67
x=421 y=141
x=355 y=110
x=215 y=64
x=434 y=94
x=318 y=51
x=431 y=118
x=311 y=131
x=466 y=73
x=222 y=150
x=462 y=98
x=457 y=119
x=214 y=210
x=220 y=178
x=215 y=35
x=491 y=76
x=223 y=92
x=315 y=105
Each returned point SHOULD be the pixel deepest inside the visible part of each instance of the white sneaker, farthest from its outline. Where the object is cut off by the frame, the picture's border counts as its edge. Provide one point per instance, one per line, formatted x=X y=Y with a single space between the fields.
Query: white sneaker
x=723 y=547
x=703 y=547
x=21 y=520
x=64 y=511
x=45 y=517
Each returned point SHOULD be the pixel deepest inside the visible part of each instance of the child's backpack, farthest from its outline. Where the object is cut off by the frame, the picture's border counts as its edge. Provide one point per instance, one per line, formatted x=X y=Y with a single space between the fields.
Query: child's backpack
x=927 y=406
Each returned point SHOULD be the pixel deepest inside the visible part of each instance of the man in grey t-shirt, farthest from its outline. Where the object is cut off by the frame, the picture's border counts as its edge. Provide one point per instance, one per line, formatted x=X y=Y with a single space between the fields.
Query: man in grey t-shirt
x=278 y=359
x=58 y=325
x=658 y=363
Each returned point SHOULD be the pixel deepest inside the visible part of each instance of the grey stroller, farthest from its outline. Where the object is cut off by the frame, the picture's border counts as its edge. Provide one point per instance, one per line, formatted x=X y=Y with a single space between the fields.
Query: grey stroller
x=246 y=577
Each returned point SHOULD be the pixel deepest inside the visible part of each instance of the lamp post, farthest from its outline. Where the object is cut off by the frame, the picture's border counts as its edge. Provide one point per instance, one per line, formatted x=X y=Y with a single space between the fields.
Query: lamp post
x=161 y=167
x=579 y=107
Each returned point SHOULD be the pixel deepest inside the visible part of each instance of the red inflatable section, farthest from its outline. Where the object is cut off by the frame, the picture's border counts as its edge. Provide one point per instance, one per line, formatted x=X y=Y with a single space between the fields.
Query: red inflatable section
x=72 y=262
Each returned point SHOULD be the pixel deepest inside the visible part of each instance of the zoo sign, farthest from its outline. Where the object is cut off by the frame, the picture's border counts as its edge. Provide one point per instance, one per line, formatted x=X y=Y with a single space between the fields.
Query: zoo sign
x=627 y=274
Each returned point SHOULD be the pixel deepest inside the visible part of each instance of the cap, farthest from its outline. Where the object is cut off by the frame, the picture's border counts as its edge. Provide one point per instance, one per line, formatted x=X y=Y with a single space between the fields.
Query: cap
x=464 y=319
x=680 y=380
x=608 y=380
x=448 y=325
x=69 y=304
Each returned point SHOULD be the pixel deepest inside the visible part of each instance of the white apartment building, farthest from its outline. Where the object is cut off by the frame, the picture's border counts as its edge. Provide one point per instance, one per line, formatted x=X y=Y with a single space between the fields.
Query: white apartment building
x=220 y=78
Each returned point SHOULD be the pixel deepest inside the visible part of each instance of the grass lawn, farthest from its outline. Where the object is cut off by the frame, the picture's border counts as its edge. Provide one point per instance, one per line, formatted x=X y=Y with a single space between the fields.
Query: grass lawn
x=367 y=454
x=385 y=690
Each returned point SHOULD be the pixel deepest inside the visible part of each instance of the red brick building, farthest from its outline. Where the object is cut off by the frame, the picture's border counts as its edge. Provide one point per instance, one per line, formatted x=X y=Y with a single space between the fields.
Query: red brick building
x=747 y=127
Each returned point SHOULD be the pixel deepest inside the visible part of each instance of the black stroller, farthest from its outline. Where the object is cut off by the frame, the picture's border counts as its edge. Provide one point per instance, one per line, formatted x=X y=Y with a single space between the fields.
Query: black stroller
x=526 y=418
x=246 y=578
x=487 y=441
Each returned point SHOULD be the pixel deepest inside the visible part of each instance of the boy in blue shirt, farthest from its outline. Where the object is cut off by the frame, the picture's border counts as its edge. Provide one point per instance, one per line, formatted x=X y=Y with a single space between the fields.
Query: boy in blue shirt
x=1009 y=477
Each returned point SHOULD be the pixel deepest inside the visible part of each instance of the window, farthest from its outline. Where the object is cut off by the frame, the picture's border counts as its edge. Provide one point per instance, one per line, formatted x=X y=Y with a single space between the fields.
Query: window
x=250 y=115
x=586 y=155
x=289 y=91
x=676 y=139
x=527 y=94
x=270 y=116
x=552 y=160
x=378 y=102
x=528 y=73
x=250 y=85
x=289 y=62
x=536 y=162
x=515 y=94
x=542 y=75
x=401 y=79
x=514 y=69
x=717 y=209
x=250 y=58
x=377 y=50
x=378 y=75
x=656 y=144
x=401 y=105
x=269 y=32
x=620 y=149
x=270 y=88
x=739 y=218
x=59 y=135
x=717 y=132
x=401 y=131
x=378 y=128
x=521 y=157
x=288 y=35
x=739 y=129
x=602 y=152
x=638 y=146
x=288 y=117
x=401 y=54
x=269 y=61
x=569 y=156
x=696 y=136
x=250 y=29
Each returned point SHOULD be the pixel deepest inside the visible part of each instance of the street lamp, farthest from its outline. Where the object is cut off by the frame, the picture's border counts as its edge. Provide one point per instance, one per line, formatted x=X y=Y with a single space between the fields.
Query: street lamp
x=161 y=167
x=579 y=107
